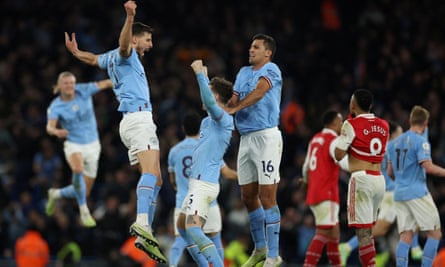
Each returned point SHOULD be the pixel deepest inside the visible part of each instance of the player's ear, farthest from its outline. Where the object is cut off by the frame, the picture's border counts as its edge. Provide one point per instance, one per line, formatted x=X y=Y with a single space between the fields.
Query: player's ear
x=216 y=96
x=134 y=39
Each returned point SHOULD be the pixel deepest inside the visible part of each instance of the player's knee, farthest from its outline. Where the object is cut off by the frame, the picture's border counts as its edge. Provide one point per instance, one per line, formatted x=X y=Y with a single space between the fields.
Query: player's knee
x=250 y=201
x=436 y=234
x=180 y=222
x=268 y=199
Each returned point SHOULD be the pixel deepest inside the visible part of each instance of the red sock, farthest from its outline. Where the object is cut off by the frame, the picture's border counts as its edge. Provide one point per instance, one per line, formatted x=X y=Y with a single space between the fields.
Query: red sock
x=367 y=255
x=314 y=250
x=333 y=253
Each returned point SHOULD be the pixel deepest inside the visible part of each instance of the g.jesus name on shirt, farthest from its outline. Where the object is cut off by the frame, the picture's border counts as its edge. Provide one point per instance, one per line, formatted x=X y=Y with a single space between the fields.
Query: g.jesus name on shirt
x=371 y=136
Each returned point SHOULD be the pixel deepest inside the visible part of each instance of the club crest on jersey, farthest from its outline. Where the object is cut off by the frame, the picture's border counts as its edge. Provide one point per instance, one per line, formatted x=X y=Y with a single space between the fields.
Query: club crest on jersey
x=75 y=108
x=426 y=147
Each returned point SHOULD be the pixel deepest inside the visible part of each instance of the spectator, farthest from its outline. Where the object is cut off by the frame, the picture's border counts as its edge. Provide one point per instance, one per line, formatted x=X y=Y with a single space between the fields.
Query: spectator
x=31 y=249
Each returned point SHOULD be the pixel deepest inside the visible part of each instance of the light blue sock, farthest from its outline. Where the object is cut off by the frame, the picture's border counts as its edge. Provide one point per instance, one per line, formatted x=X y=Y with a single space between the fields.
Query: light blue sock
x=144 y=192
x=257 y=228
x=205 y=245
x=402 y=252
x=79 y=188
x=176 y=251
x=415 y=242
x=429 y=252
x=216 y=239
x=193 y=249
x=353 y=242
x=273 y=218
x=152 y=208
x=68 y=192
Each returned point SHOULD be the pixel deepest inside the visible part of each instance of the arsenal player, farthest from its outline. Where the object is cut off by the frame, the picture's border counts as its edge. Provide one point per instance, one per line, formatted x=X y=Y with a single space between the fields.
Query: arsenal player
x=320 y=173
x=363 y=138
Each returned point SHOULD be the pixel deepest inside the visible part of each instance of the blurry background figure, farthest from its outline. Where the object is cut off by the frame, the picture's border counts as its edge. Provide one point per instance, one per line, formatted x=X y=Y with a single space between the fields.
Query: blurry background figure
x=236 y=251
x=31 y=249
x=133 y=257
x=47 y=165
x=69 y=255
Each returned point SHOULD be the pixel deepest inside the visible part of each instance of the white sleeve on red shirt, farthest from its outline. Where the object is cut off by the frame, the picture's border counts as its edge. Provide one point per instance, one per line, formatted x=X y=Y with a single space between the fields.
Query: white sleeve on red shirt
x=343 y=163
x=346 y=137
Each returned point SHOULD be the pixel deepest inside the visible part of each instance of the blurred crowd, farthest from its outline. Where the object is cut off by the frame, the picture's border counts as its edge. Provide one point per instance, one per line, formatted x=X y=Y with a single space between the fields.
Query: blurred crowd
x=325 y=48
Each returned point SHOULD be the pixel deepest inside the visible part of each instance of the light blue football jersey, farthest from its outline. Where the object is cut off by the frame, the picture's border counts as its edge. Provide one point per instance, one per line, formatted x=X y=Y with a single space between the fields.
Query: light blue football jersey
x=214 y=137
x=129 y=80
x=180 y=163
x=406 y=154
x=77 y=115
x=266 y=112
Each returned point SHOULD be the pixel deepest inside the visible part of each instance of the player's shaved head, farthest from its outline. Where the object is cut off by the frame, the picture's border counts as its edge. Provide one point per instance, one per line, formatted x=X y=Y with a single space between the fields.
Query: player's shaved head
x=364 y=99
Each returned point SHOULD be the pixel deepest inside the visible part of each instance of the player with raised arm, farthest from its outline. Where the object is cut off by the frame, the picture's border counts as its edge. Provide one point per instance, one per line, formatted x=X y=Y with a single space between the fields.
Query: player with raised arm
x=137 y=129
x=363 y=138
x=179 y=167
x=73 y=110
x=214 y=138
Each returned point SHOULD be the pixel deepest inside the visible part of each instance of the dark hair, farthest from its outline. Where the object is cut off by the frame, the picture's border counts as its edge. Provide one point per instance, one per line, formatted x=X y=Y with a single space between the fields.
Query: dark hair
x=269 y=42
x=191 y=123
x=222 y=87
x=328 y=117
x=364 y=99
x=139 y=28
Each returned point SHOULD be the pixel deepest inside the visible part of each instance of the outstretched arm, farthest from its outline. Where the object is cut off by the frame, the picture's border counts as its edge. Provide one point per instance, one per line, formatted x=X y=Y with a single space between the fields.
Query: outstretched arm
x=84 y=56
x=432 y=168
x=207 y=97
x=126 y=32
x=104 y=84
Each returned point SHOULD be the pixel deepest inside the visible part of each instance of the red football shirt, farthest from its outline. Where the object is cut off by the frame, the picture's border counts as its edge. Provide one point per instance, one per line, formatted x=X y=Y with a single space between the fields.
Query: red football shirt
x=367 y=136
x=322 y=169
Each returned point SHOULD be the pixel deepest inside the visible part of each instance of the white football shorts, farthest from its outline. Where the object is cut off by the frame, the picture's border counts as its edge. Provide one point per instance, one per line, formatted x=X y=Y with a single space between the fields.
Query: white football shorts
x=90 y=153
x=259 y=157
x=138 y=133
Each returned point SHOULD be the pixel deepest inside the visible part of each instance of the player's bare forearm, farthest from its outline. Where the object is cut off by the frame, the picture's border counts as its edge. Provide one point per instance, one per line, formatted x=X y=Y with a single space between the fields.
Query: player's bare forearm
x=229 y=173
x=86 y=57
x=253 y=97
x=104 y=84
x=433 y=169
x=250 y=100
x=339 y=154
x=126 y=32
x=125 y=37
x=233 y=100
x=52 y=130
